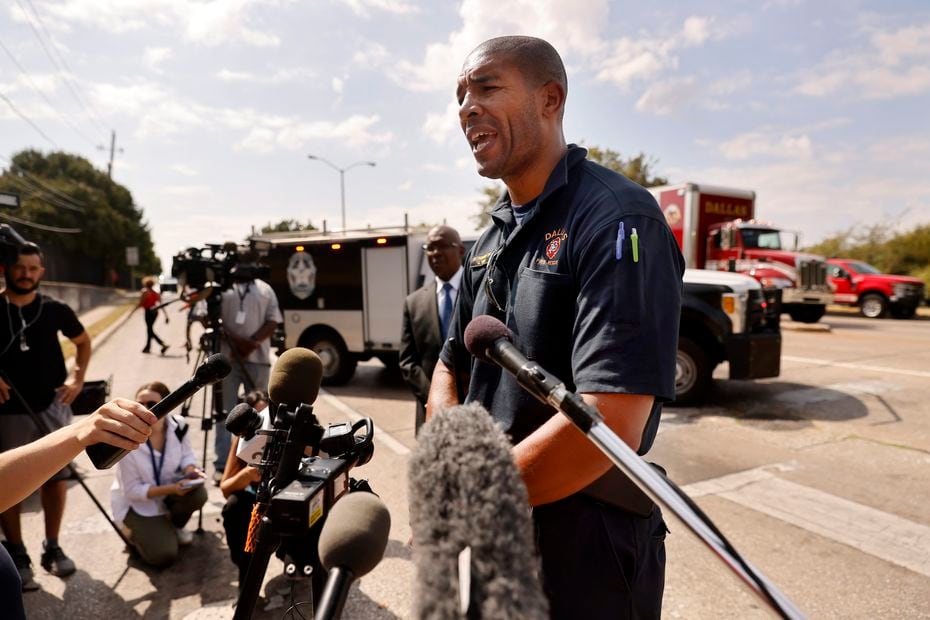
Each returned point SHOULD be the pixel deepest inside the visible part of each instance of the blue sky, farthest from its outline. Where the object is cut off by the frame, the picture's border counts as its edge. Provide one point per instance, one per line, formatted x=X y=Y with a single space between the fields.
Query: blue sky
x=821 y=107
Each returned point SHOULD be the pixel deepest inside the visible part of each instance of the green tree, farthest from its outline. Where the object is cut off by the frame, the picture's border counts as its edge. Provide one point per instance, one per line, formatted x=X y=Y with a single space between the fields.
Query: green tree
x=107 y=215
x=287 y=225
x=639 y=168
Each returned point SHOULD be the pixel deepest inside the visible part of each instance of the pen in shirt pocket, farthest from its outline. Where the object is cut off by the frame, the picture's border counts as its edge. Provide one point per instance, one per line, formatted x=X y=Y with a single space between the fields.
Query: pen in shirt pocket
x=621 y=235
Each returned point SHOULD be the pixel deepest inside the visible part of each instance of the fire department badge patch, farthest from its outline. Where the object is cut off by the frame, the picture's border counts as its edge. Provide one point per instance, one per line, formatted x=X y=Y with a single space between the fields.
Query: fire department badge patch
x=553 y=247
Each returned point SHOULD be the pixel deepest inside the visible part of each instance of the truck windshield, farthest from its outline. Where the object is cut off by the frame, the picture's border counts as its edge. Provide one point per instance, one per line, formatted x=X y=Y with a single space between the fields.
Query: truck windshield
x=860 y=267
x=761 y=238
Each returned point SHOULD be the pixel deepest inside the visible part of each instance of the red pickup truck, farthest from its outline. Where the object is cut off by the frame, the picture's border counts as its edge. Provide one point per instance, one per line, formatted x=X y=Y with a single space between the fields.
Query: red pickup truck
x=877 y=294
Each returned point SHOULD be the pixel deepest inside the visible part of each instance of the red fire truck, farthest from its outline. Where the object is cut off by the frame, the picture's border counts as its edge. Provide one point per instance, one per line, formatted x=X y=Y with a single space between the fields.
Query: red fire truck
x=716 y=229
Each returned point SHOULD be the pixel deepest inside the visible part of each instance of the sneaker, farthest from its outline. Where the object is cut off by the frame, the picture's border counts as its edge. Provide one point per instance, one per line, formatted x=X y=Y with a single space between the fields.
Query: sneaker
x=217 y=477
x=56 y=562
x=185 y=537
x=146 y=350
x=164 y=348
x=24 y=568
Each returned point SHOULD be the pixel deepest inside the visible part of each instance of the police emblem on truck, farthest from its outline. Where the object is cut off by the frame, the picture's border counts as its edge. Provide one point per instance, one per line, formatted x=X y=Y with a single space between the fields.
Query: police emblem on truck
x=301 y=275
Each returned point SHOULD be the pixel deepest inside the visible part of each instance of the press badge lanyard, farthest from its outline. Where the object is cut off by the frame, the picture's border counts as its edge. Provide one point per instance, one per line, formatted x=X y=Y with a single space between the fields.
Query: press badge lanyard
x=161 y=461
x=240 y=316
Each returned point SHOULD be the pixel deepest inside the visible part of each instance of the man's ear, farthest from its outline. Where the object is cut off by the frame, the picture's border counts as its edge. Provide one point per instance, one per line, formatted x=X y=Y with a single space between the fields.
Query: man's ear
x=553 y=98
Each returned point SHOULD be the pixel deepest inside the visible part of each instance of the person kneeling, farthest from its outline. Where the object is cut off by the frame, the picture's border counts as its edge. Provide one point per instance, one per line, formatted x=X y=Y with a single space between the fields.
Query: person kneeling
x=158 y=487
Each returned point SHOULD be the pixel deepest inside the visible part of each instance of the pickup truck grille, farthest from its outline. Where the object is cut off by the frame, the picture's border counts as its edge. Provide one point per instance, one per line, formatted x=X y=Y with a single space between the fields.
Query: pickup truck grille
x=812 y=274
x=764 y=309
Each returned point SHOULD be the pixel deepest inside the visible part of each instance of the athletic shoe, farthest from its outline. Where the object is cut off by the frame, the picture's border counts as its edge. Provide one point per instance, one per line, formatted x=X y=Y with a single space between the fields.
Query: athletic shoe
x=185 y=537
x=56 y=562
x=146 y=350
x=23 y=567
x=217 y=477
x=164 y=348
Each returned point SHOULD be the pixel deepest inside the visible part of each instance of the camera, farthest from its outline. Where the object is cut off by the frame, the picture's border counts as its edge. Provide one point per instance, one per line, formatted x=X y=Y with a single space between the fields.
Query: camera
x=217 y=266
x=10 y=244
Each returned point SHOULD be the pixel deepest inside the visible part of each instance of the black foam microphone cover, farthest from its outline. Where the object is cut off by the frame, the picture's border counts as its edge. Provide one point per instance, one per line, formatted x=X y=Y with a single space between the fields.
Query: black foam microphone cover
x=465 y=491
x=243 y=420
x=295 y=378
x=482 y=332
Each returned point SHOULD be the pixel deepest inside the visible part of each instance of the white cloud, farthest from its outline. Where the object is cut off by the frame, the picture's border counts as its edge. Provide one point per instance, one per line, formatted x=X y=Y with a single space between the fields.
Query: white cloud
x=207 y=22
x=152 y=57
x=278 y=76
x=184 y=170
x=356 y=130
x=897 y=64
x=364 y=8
x=443 y=126
x=405 y=186
x=338 y=86
x=666 y=96
x=767 y=143
x=370 y=54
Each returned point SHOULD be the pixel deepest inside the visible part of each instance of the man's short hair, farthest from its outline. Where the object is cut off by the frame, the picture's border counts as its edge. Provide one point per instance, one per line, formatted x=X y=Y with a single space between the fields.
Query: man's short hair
x=32 y=249
x=535 y=58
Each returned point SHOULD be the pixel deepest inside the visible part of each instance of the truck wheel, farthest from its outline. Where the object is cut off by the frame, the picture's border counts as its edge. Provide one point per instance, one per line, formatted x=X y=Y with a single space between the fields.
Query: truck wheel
x=806 y=313
x=692 y=373
x=873 y=306
x=338 y=363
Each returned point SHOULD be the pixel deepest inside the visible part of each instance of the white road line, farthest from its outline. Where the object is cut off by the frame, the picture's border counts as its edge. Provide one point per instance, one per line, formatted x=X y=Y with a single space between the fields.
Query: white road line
x=883 y=369
x=380 y=436
x=872 y=531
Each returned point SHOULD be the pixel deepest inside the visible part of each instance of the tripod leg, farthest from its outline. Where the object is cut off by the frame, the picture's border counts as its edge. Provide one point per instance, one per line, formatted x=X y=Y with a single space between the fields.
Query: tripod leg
x=72 y=472
x=266 y=544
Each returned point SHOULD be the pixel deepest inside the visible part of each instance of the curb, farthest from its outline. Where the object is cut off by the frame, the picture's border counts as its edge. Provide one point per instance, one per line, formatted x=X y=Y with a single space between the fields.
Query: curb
x=825 y=328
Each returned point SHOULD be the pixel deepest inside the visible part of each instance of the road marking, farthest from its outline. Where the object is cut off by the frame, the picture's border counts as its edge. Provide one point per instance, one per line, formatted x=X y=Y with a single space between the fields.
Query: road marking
x=819 y=362
x=380 y=435
x=872 y=531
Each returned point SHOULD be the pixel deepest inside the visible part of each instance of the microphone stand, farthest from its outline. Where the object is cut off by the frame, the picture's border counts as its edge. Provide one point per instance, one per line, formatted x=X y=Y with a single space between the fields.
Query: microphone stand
x=72 y=471
x=660 y=489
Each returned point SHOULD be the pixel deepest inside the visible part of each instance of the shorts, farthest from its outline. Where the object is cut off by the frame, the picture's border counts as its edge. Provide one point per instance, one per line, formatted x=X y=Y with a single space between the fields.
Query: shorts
x=18 y=429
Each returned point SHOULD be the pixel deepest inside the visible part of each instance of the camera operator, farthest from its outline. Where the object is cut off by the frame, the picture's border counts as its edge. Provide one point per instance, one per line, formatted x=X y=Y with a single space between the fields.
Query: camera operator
x=32 y=361
x=250 y=315
x=121 y=423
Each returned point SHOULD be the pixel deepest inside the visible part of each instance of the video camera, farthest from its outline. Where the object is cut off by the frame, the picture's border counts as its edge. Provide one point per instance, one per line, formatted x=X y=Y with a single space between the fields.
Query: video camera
x=10 y=244
x=217 y=266
x=296 y=491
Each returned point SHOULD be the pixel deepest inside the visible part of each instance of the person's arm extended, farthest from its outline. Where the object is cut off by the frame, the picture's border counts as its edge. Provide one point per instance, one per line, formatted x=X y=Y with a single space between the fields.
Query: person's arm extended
x=442 y=391
x=121 y=423
x=557 y=460
x=74 y=383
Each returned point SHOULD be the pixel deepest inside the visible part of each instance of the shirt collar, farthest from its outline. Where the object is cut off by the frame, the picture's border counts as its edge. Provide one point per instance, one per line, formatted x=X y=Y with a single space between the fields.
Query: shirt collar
x=455 y=280
x=558 y=178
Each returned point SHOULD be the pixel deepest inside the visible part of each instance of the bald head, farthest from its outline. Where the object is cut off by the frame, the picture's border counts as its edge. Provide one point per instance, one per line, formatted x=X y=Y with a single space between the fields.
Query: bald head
x=444 y=251
x=535 y=58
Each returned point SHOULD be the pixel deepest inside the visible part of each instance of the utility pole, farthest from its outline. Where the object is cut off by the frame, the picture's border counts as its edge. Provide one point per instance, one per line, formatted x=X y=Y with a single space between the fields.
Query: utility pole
x=113 y=151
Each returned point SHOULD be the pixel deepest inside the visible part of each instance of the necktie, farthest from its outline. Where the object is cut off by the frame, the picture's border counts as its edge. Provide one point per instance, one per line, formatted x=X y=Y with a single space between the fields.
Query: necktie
x=445 y=313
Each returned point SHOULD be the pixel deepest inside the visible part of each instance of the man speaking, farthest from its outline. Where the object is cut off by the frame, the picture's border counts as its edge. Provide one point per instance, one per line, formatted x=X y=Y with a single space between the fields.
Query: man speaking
x=582 y=267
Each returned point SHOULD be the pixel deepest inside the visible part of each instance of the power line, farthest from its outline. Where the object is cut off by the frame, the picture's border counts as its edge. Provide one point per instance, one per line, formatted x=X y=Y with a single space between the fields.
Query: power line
x=28 y=120
x=44 y=196
x=26 y=75
x=55 y=229
x=68 y=74
x=73 y=201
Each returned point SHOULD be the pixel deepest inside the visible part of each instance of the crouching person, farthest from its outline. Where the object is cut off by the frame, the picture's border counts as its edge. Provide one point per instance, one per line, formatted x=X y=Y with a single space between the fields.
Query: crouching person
x=158 y=487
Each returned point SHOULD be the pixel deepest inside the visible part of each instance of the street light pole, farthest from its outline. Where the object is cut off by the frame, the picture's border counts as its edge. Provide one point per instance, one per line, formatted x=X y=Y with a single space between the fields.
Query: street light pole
x=342 y=179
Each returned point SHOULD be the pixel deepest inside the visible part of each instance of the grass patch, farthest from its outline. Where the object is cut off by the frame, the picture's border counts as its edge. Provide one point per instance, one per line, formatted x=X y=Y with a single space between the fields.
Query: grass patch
x=97 y=327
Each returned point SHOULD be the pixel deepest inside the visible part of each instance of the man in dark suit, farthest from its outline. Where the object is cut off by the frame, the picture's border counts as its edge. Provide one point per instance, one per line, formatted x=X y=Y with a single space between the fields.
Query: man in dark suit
x=428 y=312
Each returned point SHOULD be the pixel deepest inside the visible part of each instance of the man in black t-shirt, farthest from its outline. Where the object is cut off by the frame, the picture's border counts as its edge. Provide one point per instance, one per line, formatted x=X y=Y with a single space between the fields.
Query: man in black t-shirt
x=33 y=367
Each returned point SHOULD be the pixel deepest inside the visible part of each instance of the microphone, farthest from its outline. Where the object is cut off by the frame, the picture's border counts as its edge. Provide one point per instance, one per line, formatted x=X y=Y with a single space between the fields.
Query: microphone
x=104 y=456
x=470 y=517
x=490 y=341
x=295 y=378
x=352 y=542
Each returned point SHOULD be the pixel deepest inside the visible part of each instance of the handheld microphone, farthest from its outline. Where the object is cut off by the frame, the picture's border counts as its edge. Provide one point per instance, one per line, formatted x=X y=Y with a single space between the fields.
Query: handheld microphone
x=295 y=378
x=352 y=543
x=470 y=517
x=244 y=422
x=104 y=456
x=489 y=340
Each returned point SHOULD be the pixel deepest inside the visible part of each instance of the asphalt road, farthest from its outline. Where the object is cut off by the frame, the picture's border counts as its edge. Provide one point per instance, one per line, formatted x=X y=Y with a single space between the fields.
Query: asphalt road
x=818 y=477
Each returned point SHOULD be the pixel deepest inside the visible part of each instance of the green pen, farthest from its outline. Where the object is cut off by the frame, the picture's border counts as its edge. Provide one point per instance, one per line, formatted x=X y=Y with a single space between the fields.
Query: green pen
x=634 y=241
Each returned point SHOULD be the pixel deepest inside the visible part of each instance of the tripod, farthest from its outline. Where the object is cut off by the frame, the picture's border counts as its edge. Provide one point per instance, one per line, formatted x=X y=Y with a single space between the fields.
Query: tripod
x=72 y=471
x=213 y=412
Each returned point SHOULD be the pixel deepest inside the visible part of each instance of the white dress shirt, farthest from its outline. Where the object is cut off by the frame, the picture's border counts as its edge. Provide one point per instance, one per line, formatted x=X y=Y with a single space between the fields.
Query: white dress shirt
x=455 y=281
x=135 y=474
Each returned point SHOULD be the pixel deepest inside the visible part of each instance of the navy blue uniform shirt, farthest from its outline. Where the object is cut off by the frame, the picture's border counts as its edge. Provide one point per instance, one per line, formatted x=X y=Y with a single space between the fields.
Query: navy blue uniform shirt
x=566 y=283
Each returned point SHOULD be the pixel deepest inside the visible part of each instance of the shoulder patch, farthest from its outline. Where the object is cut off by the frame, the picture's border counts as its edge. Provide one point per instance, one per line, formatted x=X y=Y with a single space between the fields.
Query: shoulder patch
x=481 y=261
